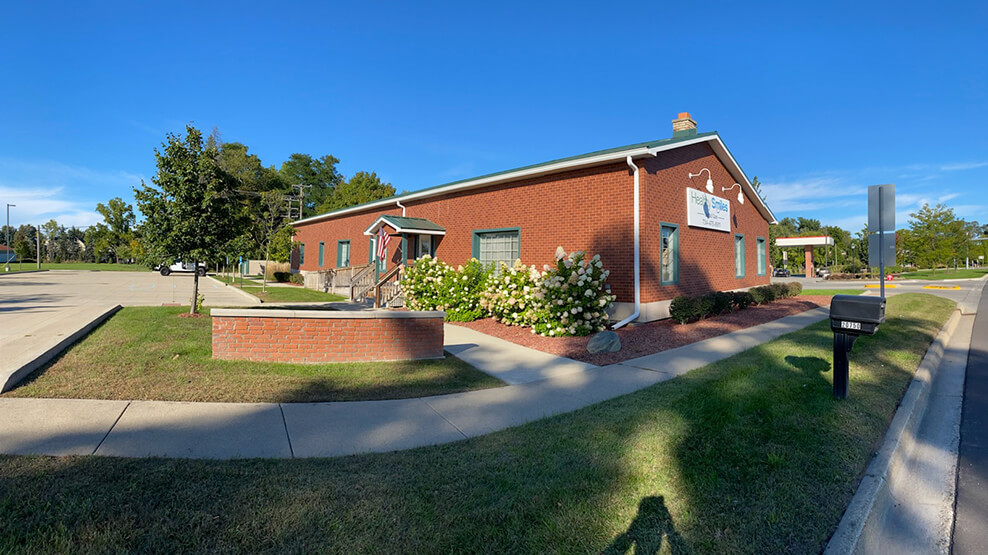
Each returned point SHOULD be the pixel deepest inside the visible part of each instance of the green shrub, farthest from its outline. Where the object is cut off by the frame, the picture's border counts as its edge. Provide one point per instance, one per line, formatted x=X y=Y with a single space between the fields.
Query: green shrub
x=779 y=290
x=742 y=299
x=716 y=303
x=795 y=288
x=297 y=279
x=463 y=304
x=684 y=309
x=763 y=294
x=426 y=284
x=282 y=277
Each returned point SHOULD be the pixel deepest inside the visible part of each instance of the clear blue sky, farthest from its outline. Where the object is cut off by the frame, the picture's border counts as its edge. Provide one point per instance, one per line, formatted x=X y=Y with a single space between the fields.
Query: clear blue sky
x=818 y=100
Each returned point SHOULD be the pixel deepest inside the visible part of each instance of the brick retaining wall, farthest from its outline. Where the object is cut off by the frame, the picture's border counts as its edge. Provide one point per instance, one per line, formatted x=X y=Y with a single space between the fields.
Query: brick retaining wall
x=309 y=336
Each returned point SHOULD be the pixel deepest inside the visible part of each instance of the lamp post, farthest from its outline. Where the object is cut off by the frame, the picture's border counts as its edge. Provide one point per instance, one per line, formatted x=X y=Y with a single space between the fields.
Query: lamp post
x=7 y=230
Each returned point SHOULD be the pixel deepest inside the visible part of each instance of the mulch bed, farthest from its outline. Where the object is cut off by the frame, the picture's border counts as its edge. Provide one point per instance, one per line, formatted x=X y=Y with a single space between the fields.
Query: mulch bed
x=644 y=339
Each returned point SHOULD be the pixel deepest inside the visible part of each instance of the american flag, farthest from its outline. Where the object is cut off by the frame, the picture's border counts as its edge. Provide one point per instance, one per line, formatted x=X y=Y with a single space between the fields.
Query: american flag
x=383 y=238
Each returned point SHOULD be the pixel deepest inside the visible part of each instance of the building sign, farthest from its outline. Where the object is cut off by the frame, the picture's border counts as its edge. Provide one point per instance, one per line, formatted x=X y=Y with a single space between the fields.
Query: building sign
x=706 y=210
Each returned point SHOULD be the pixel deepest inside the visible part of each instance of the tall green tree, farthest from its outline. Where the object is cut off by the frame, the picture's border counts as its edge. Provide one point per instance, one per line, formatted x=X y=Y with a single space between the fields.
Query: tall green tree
x=318 y=177
x=936 y=235
x=189 y=212
x=118 y=221
x=362 y=187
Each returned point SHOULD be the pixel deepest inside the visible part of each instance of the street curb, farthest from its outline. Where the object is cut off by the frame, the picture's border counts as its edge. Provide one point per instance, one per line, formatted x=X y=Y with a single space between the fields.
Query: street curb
x=245 y=294
x=47 y=356
x=891 y=455
x=21 y=272
x=970 y=303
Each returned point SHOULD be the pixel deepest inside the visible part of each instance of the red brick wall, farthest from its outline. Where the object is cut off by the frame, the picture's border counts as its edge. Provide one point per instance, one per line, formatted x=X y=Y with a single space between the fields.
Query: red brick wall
x=588 y=209
x=706 y=256
x=322 y=340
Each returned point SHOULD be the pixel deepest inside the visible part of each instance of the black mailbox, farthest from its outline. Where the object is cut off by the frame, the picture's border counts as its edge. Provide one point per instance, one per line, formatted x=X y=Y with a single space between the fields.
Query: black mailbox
x=856 y=315
x=851 y=316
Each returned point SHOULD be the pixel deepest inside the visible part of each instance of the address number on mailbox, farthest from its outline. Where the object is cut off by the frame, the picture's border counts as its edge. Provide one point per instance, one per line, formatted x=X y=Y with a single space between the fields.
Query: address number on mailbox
x=850 y=325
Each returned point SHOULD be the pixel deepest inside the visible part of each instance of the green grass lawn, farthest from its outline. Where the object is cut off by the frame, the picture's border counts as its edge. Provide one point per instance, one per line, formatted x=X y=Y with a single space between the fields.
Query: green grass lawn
x=832 y=292
x=748 y=455
x=151 y=353
x=280 y=293
x=30 y=266
x=944 y=273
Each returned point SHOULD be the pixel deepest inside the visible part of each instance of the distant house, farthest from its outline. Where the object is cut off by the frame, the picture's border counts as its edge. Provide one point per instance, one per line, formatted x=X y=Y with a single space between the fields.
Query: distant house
x=7 y=255
x=668 y=217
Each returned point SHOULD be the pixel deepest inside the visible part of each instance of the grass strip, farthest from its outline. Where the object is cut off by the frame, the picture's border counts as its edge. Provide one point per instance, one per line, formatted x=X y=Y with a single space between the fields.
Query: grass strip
x=748 y=455
x=832 y=292
x=149 y=353
x=945 y=273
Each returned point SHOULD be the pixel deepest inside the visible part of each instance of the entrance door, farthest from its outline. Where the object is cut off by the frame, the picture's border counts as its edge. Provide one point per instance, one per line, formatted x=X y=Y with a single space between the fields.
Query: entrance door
x=423 y=246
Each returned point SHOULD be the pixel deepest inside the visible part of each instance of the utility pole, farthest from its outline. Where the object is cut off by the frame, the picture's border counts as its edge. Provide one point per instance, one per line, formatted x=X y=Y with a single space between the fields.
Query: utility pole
x=301 y=197
x=7 y=231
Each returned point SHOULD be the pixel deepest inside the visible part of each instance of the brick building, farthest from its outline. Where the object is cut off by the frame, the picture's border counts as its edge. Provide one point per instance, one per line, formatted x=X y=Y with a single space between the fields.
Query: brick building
x=698 y=225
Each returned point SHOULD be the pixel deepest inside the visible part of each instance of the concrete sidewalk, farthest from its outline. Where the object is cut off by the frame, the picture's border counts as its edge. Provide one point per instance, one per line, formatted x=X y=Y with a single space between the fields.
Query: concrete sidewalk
x=240 y=430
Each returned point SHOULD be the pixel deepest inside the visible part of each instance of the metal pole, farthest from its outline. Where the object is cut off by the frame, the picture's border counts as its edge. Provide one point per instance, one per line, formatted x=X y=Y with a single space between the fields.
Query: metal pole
x=7 y=233
x=841 y=348
x=37 y=254
x=881 y=244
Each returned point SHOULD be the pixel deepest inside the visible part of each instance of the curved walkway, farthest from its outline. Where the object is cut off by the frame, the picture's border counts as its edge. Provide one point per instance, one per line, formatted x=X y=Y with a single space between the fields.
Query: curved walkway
x=542 y=385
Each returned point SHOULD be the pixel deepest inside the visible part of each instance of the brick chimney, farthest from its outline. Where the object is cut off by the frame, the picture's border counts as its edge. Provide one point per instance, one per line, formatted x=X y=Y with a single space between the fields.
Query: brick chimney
x=683 y=126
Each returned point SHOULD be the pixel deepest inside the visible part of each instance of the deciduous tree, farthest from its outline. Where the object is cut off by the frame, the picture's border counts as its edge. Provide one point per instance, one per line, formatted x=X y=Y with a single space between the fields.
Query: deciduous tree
x=189 y=212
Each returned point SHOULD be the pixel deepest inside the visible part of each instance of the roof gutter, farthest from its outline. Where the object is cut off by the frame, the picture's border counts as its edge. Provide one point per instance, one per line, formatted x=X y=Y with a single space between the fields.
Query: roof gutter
x=638 y=276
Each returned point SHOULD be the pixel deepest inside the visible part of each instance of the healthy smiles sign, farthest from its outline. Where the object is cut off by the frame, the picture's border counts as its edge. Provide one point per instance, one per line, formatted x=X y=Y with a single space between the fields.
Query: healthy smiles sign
x=706 y=210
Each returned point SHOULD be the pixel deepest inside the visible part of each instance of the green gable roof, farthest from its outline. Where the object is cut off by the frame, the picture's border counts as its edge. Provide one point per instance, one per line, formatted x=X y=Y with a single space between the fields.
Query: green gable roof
x=401 y=222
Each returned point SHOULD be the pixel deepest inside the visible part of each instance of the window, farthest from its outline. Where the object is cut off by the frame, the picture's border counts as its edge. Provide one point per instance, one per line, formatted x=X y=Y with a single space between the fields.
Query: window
x=492 y=246
x=760 y=242
x=424 y=245
x=739 y=256
x=301 y=254
x=343 y=254
x=322 y=249
x=669 y=272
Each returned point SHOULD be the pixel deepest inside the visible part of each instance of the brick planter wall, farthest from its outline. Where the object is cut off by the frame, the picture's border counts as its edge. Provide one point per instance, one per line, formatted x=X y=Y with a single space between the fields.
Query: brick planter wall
x=309 y=336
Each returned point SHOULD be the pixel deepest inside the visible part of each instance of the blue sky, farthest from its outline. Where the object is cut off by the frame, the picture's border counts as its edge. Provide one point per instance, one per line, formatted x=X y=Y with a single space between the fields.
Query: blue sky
x=818 y=101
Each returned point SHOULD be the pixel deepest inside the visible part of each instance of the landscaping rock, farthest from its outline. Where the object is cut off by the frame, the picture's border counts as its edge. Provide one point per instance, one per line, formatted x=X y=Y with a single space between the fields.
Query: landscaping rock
x=604 y=342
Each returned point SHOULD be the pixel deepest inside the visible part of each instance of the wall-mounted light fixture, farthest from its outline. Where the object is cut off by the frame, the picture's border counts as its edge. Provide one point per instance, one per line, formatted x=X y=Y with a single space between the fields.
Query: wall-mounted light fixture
x=740 y=192
x=710 y=182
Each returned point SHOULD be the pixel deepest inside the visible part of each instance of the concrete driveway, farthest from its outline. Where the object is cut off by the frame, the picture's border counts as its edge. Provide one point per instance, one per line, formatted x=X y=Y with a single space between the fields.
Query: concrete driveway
x=41 y=311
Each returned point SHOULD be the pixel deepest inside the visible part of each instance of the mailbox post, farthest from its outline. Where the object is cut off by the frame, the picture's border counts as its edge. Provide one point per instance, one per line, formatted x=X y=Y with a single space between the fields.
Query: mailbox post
x=851 y=316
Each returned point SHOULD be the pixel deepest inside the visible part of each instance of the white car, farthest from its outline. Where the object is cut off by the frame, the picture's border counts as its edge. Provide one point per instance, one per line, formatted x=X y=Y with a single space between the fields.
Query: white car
x=179 y=266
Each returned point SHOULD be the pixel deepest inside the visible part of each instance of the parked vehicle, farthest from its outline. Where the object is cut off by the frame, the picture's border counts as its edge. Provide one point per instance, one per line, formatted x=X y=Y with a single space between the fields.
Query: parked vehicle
x=781 y=272
x=179 y=266
x=823 y=272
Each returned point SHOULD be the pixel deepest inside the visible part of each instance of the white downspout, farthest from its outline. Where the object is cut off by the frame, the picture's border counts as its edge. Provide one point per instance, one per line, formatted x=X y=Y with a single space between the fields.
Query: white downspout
x=398 y=202
x=638 y=281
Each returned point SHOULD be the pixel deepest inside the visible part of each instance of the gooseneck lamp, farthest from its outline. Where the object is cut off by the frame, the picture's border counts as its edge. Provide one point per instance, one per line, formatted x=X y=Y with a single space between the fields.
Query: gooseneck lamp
x=710 y=182
x=740 y=193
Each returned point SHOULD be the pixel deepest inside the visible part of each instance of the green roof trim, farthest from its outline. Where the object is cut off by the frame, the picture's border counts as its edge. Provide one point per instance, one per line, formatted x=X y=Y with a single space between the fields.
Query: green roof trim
x=401 y=222
x=646 y=144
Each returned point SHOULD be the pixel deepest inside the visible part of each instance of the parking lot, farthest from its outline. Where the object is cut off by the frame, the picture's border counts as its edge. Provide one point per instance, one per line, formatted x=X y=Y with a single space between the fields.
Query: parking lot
x=40 y=310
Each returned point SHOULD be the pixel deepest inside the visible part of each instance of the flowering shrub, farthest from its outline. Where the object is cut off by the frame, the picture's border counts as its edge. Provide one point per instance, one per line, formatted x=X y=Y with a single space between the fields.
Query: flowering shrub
x=463 y=295
x=574 y=298
x=425 y=284
x=431 y=284
x=511 y=294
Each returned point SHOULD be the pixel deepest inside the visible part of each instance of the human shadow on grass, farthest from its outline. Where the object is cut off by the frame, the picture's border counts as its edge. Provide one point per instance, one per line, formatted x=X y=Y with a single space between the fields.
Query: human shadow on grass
x=652 y=525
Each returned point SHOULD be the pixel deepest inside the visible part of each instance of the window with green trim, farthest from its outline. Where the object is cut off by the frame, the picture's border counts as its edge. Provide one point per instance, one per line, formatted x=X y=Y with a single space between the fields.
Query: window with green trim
x=493 y=246
x=301 y=254
x=739 y=256
x=760 y=243
x=669 y=256
x=322 y=252
x=343 y=254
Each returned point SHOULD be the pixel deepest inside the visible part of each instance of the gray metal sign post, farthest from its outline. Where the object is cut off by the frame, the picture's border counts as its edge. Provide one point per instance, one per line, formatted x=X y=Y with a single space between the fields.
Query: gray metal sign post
x=881 y=217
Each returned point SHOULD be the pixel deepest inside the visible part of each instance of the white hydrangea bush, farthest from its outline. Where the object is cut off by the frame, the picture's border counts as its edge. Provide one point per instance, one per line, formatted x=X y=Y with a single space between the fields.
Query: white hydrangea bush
x=573 y=297
x=425 y=284
x=511 y=294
